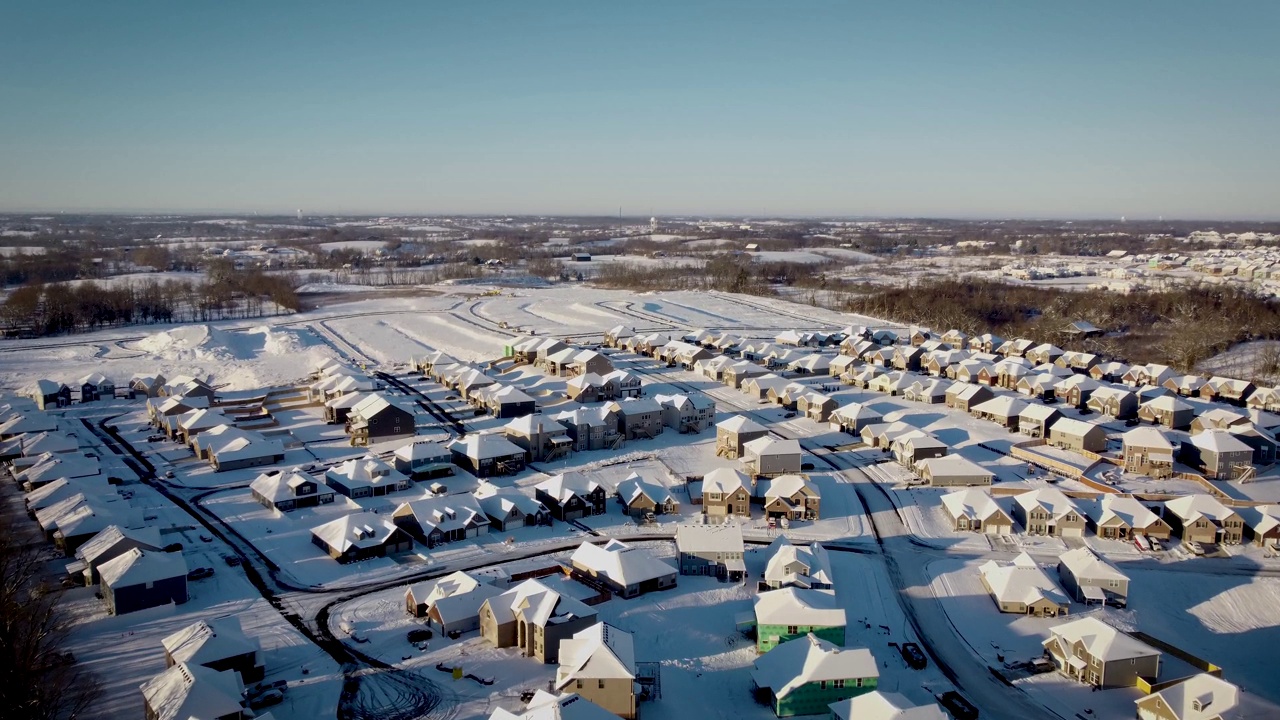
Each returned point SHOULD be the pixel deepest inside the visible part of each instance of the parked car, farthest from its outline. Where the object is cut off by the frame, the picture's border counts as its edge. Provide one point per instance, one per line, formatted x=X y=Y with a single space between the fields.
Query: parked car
x=232 y=560
x=200 y=573
x=958 y=706
x=1195 y=547
x=206 y=538
x=266 y=699
x=913 y=656
x=420 y=634
x=265 y=686
x=173 y=547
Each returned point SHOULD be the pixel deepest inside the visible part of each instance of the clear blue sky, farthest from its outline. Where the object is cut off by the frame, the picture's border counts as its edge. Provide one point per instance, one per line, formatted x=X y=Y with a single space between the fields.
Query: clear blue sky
x=962 y=109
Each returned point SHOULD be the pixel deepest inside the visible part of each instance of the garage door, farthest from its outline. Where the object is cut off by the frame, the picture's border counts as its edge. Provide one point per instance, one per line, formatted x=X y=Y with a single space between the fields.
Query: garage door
x=1073 y=532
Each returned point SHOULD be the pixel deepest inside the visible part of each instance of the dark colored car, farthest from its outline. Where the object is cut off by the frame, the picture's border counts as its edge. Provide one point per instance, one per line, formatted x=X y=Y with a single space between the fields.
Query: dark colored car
x=913 y=656
x=231 y=560
x=419 y=635
x=173 y=547
x=959 y=708
x=266 y=699
x=200 y=573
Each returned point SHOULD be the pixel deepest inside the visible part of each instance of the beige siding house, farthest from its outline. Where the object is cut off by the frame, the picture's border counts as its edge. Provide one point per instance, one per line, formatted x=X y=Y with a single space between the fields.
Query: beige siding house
x=1094 y=653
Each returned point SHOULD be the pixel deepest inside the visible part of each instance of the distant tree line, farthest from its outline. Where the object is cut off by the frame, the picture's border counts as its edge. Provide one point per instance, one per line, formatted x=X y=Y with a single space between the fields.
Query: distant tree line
x=1179 y=327
x=48 y=309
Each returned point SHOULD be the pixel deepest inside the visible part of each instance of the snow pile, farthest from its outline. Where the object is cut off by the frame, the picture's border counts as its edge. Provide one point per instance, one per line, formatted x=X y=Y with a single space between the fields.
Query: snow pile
x=175 y=341
x=279 y=341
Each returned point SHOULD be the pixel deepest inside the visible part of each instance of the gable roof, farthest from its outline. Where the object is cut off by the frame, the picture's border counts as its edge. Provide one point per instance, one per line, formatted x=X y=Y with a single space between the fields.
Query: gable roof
x=621 y=563
x=799 y=606
x=564 y=486
x=1051 y=499
x=136 y=567
x=1085 y=563
x=877 y=705
x=1100 y=640
x=1021 y=581
x=148 y=538
x=207 y=641
x=972 y=503
x=809 y=659
x=538 y=604
x=187 y=691
x=723 y=537
x=1215 y=696
x=357 y=530
x=600 y=652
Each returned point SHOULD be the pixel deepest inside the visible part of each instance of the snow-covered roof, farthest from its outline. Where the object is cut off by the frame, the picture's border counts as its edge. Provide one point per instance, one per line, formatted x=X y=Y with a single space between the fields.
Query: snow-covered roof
x=600 y=652
x=545 y=706
x=28 y=422
x=276 y=486
x=1085 y=563
x=621 y=563
x=148 y=537
x=971 y=503
x=725 y=480
x=422 y=450
x=451 y=513
x=1152 y=438
x=530 y=425
x=51 y=466
x=564 y=486
x=1101 y=640
x=1005 y=406
x=1193 y=507
x=952 y=466
x=485 y=446
x=31 y=444
x=1021 y=581
x=740 y=424
x=810 y=659
x=1219 y=441
x=785 y=486
x=799 y=606
x=208 y=641
x=1050 y=499
x=137 y=567
x=723 y=537
x=635 y=486
x=799 y=565
x=1128 y=510
x=877 y=705
x=357 y=530
x=1201 y=697
x=771 y=446
x=537 y=604
x=185 y=692
x=500 y=501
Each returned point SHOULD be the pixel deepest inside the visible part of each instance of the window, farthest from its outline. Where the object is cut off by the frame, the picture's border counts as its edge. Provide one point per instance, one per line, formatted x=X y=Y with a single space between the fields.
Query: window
x=858 y=682
x=822 y=685
x=838 y=684
x=579 y=684
x=601 y=681
x=792 y=629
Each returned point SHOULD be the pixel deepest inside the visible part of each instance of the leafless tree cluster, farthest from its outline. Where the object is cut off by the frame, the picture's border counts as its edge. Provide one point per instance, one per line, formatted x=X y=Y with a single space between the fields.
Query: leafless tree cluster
x=39 y=678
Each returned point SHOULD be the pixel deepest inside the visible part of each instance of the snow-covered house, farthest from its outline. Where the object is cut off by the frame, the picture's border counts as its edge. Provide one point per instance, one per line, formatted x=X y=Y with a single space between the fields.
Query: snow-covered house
x=877 y=705
x=640 y=496
x=542 y=439
x=138 y=579
x=1092 y=652
x=791 y=496
x=571 y=495
x=290 y=490
x=711 y=549
x=1203 y=518
x=791 y=612
x=451 y=603
x=953 y=471
x=974 y=510
x=691 y=413
x=48 y=394
x=1022 y=587
x=438 y=520
x=534 y=618
x=802 y=566
x=770 y=457
x=509 y=508
x=599 y=664
x=726 y=493
x=111 y=542
x=1217 y=454
x=805 y=676
x=1147 y=451
x=487 y=454
x=96 y=386
x=1090 y=579
x=364 y=477
x=1048 y=511
x=378 y=418
x=1122 y=517
x=360 y=536
x=187 y=691
x=627 y=571
x=733 y=433
x=1199 y=697
x=422 y=459
x=1167 y=410
x=218 y=644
